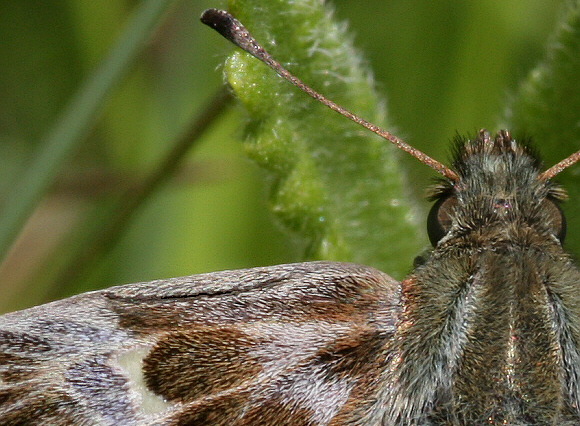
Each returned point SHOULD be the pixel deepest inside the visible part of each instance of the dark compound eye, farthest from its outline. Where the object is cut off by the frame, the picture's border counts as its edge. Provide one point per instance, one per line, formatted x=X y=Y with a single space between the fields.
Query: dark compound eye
x=439 y=219
x=557 y=220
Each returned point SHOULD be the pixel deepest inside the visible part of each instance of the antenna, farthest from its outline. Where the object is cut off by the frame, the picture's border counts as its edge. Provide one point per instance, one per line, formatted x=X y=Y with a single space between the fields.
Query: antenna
x=234 y=31
x=557 y=168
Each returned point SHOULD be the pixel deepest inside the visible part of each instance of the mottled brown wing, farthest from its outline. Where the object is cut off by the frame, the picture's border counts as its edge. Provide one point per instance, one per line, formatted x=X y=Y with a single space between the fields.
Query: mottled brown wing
x=298 y=344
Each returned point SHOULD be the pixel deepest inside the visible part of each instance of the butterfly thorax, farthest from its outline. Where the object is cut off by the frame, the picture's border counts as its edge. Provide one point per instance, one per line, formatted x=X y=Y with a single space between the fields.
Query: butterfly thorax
x=484 y=335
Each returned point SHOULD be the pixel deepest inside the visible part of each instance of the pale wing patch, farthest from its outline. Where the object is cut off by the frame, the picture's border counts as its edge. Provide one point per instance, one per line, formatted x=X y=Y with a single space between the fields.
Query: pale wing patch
x=131 y=362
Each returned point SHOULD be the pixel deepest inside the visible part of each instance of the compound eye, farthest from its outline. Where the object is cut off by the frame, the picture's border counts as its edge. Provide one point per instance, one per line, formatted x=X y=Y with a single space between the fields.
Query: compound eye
x=439 y=218
x=557 y=220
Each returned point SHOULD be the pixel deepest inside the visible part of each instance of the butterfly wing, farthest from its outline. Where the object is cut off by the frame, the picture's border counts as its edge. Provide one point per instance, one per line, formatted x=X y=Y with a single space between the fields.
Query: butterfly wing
x=298 y=344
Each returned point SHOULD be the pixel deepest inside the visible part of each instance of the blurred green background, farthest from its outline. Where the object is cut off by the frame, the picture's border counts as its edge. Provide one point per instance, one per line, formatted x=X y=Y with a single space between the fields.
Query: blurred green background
x=442 y=67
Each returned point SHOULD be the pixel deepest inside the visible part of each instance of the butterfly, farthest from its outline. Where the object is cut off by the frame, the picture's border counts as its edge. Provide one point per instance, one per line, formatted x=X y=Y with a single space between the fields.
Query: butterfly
x=485 y=330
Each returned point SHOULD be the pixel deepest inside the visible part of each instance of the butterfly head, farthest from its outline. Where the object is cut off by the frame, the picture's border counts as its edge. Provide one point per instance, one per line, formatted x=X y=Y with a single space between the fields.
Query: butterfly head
x=499 y=187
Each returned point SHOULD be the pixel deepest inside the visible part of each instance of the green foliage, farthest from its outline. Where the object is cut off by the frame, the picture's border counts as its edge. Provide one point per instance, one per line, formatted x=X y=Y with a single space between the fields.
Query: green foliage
x=338 y=187
x=339 y=192
x=68 y=130
x=547 y=108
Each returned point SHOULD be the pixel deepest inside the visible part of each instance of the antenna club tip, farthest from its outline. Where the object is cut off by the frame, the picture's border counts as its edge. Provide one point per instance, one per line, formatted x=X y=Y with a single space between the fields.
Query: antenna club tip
x=209 y=16
x=221 y=21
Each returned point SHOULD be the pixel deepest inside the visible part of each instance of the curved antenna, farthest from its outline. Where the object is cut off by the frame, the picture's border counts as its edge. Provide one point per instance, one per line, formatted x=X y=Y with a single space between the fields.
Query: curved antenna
x=234 y=31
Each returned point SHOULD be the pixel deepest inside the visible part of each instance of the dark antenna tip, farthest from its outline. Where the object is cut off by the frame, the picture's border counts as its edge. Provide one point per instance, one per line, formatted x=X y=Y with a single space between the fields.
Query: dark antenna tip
x=232 y=29
x=221 y=21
